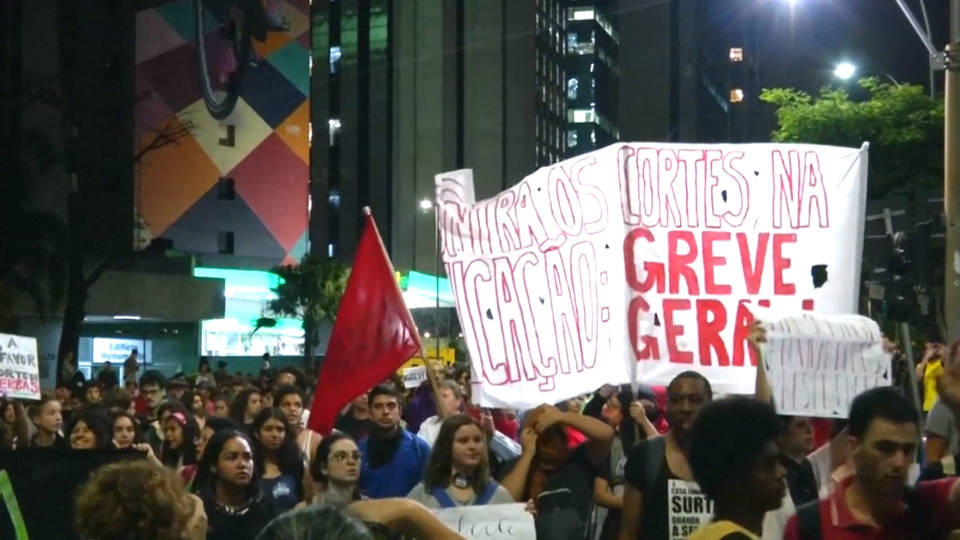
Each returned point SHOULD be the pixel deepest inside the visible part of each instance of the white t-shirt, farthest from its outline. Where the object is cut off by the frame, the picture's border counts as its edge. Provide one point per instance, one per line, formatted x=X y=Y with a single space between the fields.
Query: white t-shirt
x=430 y=429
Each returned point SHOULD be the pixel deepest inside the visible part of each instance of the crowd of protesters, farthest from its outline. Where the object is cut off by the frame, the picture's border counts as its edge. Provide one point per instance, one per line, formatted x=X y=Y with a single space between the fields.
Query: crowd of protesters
x=229 y=456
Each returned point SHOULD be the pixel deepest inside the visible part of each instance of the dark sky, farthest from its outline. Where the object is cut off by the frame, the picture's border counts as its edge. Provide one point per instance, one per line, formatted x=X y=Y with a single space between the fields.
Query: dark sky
x=801 y=44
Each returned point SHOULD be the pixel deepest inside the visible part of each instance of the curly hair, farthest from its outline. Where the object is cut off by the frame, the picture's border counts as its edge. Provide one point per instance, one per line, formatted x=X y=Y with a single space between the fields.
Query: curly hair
x=132 y=500
x=239 y=406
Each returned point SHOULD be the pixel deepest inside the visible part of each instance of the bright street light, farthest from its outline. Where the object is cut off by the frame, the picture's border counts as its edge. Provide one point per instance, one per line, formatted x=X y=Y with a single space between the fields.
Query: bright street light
x=426 y=204
x=845 y=70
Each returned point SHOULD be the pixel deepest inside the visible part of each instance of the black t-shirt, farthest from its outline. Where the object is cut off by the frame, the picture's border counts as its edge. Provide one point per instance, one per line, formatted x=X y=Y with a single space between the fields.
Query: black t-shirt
x=800 y=480
x=358 y=429
x=565 y=504
x=224 y=525
x=655 y=519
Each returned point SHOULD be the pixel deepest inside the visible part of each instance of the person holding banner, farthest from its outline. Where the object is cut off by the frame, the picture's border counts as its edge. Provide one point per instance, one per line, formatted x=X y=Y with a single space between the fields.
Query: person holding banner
x=736 y=462
x=658 y=469
x=90 y=429
x=45 y=415
x=458 y=473
x=559 y=480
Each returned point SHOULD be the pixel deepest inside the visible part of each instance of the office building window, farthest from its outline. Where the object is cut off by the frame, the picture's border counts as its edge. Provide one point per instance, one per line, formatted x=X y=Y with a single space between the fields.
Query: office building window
x=226 y=189
x=736 y=54
x=225 y=242
x=736 y=95
x=228 y=135
x=335 y=54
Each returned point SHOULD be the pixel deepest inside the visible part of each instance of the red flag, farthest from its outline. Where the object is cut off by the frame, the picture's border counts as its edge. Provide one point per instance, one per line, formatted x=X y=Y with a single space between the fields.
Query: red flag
x=373 y=334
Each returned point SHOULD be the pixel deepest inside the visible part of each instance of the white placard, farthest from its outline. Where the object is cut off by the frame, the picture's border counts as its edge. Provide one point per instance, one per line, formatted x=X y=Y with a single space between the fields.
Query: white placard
x=642 y=260
x=688 y=509
x=19 y=369
x=490 y=521
x=414 y=376
x=816 y=364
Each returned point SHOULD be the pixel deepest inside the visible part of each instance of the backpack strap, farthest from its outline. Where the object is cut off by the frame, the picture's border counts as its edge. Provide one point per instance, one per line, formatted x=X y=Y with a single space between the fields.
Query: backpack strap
x=808 y=521
x=487 y=494
x=443 y=498
x=656 y=452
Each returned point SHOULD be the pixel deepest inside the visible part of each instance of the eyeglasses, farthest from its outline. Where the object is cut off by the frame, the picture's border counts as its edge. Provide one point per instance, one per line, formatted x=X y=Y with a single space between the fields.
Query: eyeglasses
x=342 y=456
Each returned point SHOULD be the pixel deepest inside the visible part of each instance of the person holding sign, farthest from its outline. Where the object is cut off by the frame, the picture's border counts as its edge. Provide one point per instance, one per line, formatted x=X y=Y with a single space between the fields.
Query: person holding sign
x=875 y=502
x=658 y=471
x=557 y=478
x=736 y=462
x=458 y=473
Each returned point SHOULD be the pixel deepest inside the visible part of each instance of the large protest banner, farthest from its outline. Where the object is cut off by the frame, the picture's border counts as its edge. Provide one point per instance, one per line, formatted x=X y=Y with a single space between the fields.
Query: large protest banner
x=645 y=259
x=19 y=369
x=816 y=364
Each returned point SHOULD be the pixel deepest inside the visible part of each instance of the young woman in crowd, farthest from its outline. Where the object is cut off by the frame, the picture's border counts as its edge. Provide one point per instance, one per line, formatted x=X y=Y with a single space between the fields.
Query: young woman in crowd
x=138 y=499
x=193 y=401
x=90 y=429
x=125 y=432
x=211 y=428
x=458 y=473
x=229 y=486
x=221 y=406
x=245 y=408
x=289 y=399
x=283 y=477
x=14 y=419
x=46 y=417
x=336 y=470
x=179 y=450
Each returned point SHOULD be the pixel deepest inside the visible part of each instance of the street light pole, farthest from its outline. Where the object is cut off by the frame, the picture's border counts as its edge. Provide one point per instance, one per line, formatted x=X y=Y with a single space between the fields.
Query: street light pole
x=951 y=177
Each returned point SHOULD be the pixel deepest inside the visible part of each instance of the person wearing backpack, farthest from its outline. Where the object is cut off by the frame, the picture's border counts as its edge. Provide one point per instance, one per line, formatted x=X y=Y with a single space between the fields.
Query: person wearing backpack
x=458 y=472
x=875 y=501
x=661 y=499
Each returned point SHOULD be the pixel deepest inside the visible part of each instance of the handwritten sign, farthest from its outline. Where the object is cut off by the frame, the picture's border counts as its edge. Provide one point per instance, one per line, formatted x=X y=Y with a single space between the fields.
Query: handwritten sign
x=816 y=364
x=689 y=508
x=19 y=369
x=490 y=521
x=642 y=260
x=414 y=376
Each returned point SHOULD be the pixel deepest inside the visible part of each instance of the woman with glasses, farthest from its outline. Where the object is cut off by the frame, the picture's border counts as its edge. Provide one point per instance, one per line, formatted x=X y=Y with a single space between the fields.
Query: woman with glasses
x=336 y=470
x=458 y=473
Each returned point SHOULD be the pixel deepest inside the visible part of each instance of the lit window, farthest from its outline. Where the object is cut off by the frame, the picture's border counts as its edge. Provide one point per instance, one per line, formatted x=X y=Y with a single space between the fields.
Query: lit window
x=573 y=85
x=571 y=138
x=579 y=116
x=736 y=54
x=334 y=198
x=331 y=251
x=580 y=14
x=334 y=124
x=334 y=58
x=736 y=95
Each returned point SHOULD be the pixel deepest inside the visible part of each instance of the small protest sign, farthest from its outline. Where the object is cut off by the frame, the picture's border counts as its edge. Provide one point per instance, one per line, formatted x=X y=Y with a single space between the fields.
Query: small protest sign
x=490 y=521
x=816 y=364
x=689 y=508
x=414 y=376
x=19 y=369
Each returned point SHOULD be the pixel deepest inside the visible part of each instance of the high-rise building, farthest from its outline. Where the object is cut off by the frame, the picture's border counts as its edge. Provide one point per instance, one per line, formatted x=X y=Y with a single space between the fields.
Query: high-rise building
x=688 y=71
x=593 y=44
x=404 y=90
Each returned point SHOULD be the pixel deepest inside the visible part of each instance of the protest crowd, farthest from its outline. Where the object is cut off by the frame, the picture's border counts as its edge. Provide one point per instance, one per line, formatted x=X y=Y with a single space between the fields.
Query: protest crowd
x=228 y=456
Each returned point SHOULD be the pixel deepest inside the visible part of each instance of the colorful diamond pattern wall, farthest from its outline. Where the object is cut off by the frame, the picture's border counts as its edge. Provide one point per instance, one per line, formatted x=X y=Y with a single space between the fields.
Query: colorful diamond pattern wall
x=263 y=145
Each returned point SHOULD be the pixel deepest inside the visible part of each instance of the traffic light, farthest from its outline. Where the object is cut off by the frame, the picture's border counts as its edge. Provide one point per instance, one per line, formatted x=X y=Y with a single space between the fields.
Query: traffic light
x=900 y=297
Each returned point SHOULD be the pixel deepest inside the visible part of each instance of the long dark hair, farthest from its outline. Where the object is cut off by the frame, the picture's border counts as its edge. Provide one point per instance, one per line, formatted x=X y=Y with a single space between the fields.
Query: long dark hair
x=440 y=464
x=205 y=481
x=116 y=414
x=188 y=446
x=239 y=405
x=289 y=458
x=99 y=423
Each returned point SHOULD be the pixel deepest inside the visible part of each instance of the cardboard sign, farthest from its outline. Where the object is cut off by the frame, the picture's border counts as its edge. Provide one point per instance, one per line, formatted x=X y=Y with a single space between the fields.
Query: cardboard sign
x=688 y=509
x=489 y=521
x=19 y=369
x=642 y=260
x=414 y=376
x=816 y=364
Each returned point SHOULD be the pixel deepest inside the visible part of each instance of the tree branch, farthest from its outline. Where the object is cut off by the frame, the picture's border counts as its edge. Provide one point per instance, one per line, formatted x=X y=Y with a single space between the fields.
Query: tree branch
x=168 y=135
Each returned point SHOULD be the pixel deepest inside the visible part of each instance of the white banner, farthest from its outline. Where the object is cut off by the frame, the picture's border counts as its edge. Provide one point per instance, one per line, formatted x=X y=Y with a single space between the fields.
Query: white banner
x=816 y=364
x=489 y=521
x=19 y=370
x=646 y=258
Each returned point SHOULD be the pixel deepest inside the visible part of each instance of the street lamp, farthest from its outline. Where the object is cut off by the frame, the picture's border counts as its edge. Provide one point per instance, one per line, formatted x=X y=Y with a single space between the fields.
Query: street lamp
x=844 y=70
x=426 y=204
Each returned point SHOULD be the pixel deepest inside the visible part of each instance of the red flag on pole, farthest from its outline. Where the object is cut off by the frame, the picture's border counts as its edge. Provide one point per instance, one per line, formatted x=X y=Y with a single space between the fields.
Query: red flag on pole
x=373 y=334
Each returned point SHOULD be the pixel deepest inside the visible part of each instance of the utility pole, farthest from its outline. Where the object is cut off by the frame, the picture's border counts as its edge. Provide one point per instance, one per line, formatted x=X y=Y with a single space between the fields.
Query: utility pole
x=951 y=178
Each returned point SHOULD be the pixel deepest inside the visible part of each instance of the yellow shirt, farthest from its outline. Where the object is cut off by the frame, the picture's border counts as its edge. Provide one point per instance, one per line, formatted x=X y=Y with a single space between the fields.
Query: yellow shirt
x=934 y=369
x=719 y=529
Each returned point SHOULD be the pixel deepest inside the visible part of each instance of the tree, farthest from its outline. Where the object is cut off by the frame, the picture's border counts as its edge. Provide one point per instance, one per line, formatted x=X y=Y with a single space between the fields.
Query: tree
x=311 y=292
x=902 y=123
